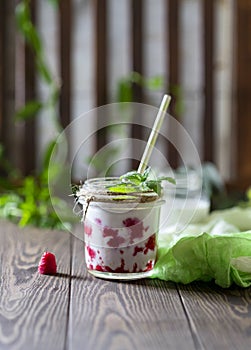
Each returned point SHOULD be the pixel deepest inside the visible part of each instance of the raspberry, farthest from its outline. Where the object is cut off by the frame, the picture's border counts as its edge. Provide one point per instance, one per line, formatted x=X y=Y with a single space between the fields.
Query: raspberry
x=47 y=264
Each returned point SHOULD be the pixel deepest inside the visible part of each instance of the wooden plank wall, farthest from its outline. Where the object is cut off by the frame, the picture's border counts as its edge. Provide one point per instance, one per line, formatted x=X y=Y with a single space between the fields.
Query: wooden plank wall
x=137 y=64
x=209 y=83
x=17 y=86
x=101 y=64
x=65 y=60
x=29 y=137
x=173 y=65
x=243 y=93
x=242 y=129
x=2 y=26
x=7 y=81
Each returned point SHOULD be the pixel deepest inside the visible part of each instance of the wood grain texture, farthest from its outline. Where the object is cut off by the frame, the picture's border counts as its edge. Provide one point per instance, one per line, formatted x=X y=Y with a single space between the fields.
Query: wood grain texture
x=219 y=318
x=33 y=308
x=145 y=314
x=74 y=310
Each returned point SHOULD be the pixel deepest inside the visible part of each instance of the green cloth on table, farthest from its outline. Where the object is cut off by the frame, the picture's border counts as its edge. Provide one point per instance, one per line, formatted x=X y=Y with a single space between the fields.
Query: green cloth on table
x=215 y=250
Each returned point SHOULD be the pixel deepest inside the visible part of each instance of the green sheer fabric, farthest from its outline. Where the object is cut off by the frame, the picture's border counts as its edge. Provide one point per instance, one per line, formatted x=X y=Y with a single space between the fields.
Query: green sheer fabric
x=218 y=249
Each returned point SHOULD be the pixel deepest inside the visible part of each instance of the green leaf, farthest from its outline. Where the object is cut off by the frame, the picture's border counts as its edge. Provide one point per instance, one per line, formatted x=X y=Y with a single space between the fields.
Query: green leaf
x=133 y=177
x=123 y=188
x=167 y=178
x=141 y=180
x=177 y=92
x=48 y=153
x=44 y=70
x=29 y=110
x=154 y=185
x=124 y=91
x=22 y=16
x=23 y=20
x=154 y=83
x=136 y=78
x=146 y=173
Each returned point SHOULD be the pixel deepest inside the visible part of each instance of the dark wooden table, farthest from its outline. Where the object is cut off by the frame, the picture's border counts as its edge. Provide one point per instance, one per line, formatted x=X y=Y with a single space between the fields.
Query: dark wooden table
x=74 y=310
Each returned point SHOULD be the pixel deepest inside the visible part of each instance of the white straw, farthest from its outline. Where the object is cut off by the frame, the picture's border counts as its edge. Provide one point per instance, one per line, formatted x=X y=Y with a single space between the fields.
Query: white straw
x=154 y=133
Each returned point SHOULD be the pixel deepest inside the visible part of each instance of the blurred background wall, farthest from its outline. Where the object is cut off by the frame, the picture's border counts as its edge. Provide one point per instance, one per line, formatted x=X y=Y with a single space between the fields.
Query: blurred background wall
x=197 y=50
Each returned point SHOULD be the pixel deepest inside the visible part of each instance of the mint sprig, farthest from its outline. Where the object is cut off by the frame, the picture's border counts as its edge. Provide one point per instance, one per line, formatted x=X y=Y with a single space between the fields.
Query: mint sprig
x=137 y=182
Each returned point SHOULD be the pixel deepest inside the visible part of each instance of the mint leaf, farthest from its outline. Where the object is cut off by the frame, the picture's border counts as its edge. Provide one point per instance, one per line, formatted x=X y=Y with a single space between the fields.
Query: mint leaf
x=123 y=188
x=146 y=173
x=167 y=178
x=134 y=181
x=154 y=185
x=132 y=177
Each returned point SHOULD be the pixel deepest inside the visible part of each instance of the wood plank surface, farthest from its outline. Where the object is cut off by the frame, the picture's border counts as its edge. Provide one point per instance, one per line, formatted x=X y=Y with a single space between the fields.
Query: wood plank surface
x=219 y=318
x=74 y=310
x=33 y=307
x=144 y=314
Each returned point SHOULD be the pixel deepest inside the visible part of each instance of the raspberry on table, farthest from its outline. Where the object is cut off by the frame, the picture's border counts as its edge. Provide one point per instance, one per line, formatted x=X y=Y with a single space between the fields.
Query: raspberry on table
x=47 y=264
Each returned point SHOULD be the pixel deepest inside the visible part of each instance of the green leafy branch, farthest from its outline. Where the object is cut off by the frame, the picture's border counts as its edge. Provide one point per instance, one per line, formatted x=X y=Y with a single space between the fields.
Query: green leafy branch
x=31 y=204
x=28 y=201
x=32 y=37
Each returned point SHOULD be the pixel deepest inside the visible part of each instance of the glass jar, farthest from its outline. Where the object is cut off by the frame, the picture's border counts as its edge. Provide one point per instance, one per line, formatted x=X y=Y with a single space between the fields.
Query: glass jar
x=120 y=230
x=185 y=203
